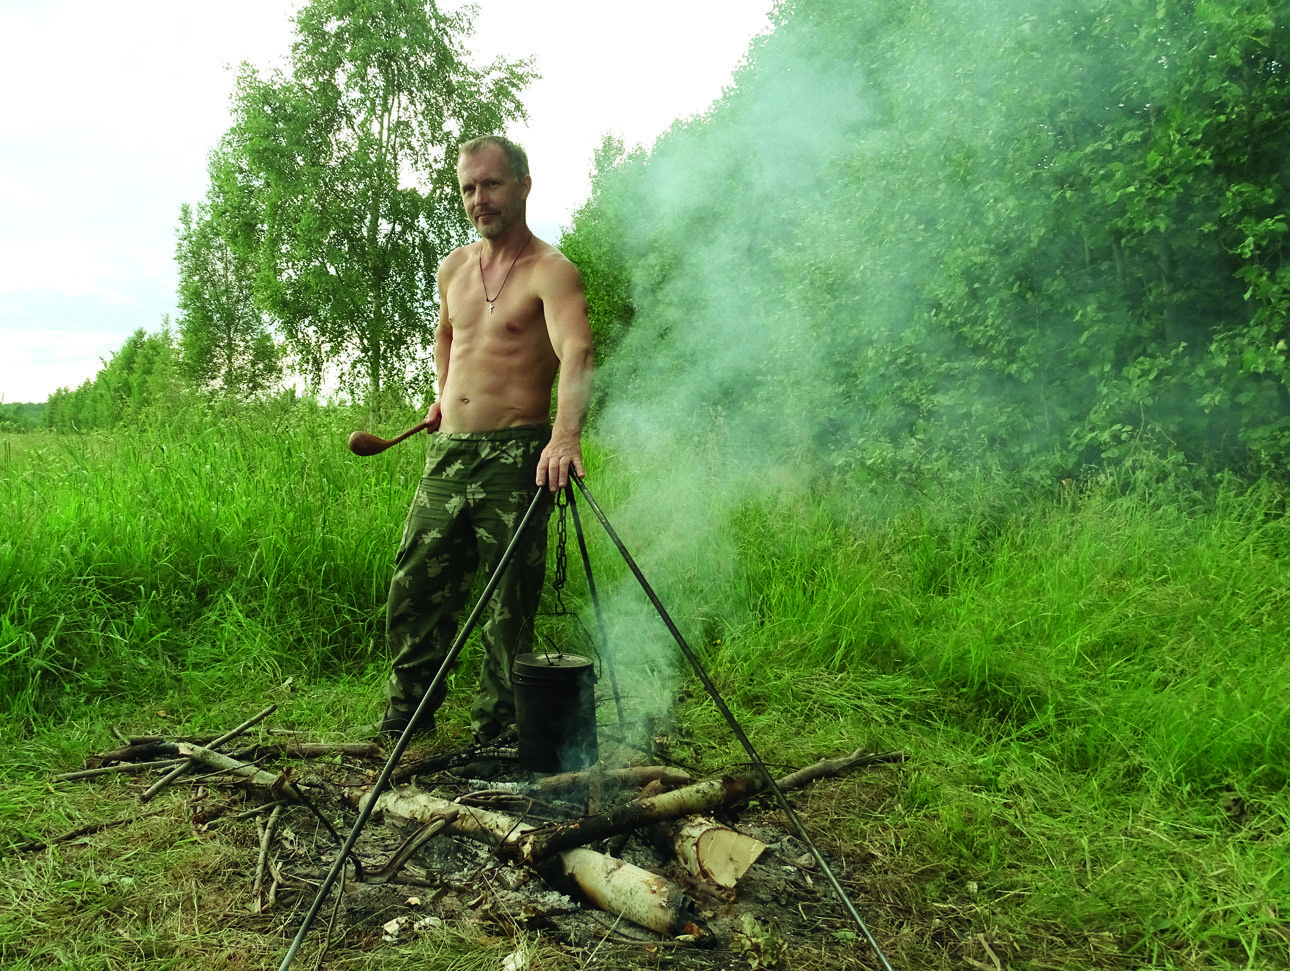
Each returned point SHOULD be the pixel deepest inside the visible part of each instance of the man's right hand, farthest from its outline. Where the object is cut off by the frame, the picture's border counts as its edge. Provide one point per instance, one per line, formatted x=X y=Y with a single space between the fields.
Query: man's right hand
x=433 y=417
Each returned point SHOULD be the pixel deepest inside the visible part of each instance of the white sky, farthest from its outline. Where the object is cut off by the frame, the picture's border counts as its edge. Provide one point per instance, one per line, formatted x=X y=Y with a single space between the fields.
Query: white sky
x=112 y=108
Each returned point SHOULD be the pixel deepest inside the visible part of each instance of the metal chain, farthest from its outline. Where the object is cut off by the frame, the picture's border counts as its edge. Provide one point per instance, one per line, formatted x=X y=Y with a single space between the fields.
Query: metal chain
x=561 y=550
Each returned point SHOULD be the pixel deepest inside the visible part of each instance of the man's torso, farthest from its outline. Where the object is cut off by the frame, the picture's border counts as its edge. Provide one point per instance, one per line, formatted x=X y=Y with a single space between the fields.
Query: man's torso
x=501 y=364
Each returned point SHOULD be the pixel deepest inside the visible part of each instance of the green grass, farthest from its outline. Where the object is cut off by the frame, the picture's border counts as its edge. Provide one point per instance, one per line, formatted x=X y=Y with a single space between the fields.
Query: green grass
x=1089 y=681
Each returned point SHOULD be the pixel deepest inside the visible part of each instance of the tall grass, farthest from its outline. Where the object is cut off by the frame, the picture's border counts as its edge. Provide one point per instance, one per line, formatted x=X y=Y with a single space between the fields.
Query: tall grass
x=1116 y=629
x=1123 y=626
x=200 y=551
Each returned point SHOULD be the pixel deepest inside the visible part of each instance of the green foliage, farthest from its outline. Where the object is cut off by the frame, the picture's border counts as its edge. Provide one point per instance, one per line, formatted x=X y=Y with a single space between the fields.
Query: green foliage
x=225 y=341
x=337 y=181
x=18 y=416
x=594 y=248
x=140 y=380
x=943 y=229
x=1108 y=624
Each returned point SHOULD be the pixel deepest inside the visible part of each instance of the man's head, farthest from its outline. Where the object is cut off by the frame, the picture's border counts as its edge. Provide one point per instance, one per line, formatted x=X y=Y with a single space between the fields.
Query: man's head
x=516 y=159
x=493 y=174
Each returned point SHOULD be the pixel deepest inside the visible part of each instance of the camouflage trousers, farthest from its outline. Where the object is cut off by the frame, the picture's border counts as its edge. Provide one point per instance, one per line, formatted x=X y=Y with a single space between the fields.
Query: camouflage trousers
x=468 y=506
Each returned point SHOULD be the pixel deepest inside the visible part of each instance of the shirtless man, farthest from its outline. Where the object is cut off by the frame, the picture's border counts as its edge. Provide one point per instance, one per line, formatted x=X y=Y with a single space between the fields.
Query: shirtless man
x=512 y=317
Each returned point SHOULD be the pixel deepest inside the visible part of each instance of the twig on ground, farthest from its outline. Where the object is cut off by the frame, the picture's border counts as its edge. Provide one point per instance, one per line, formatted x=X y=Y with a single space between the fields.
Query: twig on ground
x=175 y=773
x=118 y=768
x=88 y=830
x=257 y=811
x=331 y=925
x=266 y=840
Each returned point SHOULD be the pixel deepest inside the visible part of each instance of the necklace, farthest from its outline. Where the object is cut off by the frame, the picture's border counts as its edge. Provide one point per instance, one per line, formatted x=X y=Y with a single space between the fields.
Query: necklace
x=490 y=300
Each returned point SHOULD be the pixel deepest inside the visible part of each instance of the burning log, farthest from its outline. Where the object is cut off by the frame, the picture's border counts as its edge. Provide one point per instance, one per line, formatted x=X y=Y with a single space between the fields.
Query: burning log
x=631 y=777
x=692 y=800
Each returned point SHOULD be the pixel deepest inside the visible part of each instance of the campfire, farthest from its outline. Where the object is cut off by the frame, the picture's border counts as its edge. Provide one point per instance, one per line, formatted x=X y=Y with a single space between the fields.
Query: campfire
x=630 y=849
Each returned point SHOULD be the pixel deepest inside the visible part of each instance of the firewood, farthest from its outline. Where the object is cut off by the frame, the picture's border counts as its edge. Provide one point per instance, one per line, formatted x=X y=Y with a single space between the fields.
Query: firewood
x=611 y=885
x=713 y=852
x=642 y=897
x=633 y=777
x=527 y=844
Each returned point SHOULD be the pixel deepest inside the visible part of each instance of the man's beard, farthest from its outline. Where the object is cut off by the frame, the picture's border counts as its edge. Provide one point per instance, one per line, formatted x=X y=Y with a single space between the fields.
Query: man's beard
x=502 y=221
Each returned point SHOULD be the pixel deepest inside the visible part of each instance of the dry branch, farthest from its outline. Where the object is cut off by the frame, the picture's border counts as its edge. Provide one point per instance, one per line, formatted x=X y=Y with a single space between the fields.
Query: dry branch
x=119 y=768
x=175 y=773
x=832 y=767
x=266 y=840
x=276 y=783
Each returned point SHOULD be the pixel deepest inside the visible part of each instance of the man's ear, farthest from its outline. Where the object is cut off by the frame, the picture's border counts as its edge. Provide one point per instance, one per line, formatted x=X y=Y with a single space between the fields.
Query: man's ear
x=526 y=184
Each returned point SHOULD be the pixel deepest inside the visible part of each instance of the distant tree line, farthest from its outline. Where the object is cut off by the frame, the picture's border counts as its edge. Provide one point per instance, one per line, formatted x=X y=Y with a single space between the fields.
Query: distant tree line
x=143 y=375
x=968 y=230
x=20 y=416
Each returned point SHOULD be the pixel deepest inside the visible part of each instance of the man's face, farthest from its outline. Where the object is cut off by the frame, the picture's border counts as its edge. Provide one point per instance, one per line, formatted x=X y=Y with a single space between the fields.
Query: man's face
x=493 y=197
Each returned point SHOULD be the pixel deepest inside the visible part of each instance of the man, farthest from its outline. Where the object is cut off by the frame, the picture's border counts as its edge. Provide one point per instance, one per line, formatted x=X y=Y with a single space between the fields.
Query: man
x=511 y=317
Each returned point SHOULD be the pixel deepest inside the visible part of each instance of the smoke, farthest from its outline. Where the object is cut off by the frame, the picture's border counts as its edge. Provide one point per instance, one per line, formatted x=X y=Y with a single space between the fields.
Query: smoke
x=796 y=252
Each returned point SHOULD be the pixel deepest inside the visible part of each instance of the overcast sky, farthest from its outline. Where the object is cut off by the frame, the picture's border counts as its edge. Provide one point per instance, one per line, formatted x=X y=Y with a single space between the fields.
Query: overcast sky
x=111 y=109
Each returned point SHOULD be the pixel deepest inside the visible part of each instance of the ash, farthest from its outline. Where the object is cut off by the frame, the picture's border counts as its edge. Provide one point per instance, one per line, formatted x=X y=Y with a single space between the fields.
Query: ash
x=460 y=883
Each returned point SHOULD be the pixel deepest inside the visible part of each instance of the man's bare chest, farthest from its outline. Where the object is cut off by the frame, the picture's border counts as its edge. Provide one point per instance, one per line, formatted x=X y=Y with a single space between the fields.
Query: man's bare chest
x=510 y=312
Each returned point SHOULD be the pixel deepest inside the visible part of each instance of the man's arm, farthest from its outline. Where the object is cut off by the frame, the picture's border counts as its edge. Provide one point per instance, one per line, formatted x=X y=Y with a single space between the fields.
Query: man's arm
x=442 y=350
x=565 y=309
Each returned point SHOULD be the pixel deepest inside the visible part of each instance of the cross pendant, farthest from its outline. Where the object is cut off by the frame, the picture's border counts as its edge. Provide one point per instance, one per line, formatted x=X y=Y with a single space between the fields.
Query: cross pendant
x=490 y=306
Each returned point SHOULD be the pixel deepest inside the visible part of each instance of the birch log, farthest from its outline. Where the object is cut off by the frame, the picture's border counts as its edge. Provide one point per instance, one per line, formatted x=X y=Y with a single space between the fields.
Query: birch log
x=611 y=885
x=714 y=852
x=627 y=891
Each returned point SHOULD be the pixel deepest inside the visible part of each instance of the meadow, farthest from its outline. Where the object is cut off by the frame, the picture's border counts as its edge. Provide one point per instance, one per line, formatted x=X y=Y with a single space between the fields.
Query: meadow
x=1088 y=679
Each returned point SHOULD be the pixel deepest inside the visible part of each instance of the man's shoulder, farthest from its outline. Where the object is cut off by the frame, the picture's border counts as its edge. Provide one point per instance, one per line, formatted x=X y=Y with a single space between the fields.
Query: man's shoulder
x=458 y=258
x=551 y=262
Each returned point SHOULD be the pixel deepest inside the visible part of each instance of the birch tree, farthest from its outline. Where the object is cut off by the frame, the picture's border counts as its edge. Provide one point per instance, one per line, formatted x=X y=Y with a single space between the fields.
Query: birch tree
x=342 y=181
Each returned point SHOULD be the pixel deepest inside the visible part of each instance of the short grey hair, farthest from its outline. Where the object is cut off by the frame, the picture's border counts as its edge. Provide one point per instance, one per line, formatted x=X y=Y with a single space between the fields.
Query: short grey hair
x=515 y=156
